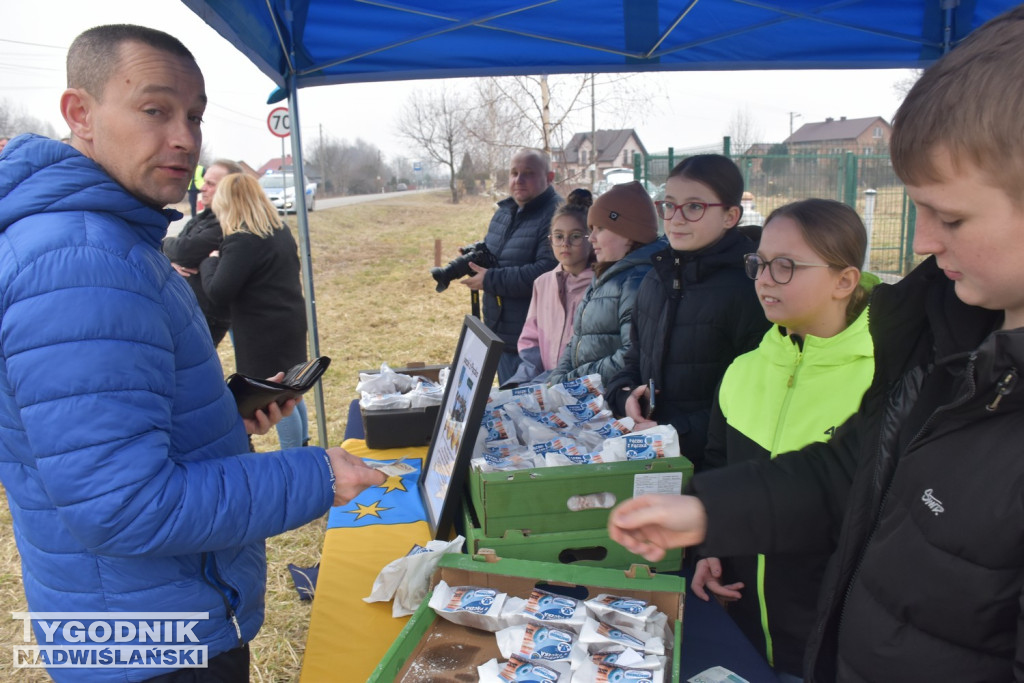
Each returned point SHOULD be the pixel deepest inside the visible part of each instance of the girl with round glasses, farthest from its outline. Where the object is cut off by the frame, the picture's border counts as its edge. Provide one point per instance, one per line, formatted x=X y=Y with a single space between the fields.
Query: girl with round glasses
x=804 y=380
x=696 y=310
x=557 y=293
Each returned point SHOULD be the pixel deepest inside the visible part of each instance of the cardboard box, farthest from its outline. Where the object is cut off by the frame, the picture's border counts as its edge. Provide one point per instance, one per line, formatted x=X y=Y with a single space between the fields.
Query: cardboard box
x=546 y=499
x=588 y=548
x=432 y=649
x=402 y=428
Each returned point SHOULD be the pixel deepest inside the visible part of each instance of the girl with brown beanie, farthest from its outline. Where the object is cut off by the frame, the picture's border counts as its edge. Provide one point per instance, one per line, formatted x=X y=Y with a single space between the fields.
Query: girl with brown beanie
x=696 y=309
x=624 y=235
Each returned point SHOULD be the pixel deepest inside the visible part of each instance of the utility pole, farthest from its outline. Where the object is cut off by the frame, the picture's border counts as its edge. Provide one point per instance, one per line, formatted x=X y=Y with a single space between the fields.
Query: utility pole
x=792 y=116
x=323 y=174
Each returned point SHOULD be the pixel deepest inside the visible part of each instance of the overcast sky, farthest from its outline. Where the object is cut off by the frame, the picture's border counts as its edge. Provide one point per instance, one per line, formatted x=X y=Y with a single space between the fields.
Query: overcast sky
x=686 y=109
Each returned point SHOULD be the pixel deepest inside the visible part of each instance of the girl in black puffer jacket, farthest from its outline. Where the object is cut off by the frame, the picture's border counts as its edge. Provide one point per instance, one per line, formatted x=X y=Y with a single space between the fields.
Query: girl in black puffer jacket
x=696 y=310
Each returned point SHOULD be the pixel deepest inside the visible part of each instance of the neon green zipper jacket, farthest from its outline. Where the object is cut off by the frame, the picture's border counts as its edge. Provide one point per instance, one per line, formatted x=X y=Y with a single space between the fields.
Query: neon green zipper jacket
x=778 y=398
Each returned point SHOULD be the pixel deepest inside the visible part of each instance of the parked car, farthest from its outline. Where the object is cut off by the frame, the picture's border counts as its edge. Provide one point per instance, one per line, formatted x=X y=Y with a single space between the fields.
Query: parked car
x=751 y=216
x=280 y=190
x=614 y=176
x=401 y=187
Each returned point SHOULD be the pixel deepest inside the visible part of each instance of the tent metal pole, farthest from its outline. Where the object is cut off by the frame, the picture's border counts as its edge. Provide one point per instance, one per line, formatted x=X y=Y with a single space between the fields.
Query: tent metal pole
x=947 y=28
x=305 y=258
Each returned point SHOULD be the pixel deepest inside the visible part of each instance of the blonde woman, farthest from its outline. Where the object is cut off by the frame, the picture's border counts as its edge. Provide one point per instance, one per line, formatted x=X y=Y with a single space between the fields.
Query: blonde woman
x=256 y=275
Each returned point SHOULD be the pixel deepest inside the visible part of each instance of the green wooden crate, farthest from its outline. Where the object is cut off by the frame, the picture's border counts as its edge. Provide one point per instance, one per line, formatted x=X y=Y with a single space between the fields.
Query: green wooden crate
x=585 y=548
x=430 y=648
x=540 y=500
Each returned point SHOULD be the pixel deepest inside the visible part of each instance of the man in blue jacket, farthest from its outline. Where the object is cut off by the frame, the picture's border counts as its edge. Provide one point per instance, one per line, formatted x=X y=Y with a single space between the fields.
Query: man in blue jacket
x=123 y=456
x=518 y=237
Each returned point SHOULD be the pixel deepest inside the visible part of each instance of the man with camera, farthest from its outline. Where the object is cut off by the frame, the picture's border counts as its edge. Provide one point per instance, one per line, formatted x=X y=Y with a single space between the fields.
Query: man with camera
x=518 y=240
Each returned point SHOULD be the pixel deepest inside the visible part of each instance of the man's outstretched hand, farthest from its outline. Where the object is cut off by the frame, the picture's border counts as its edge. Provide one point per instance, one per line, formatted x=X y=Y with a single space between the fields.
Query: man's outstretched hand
x=351 y=475
x=654 y=523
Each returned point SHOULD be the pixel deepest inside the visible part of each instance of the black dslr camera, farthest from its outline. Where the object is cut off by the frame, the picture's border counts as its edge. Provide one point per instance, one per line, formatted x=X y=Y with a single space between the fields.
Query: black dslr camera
x=458 y=267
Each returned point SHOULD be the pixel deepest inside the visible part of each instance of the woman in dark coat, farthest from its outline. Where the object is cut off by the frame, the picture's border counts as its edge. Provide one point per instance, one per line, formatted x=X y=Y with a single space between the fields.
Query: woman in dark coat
x=256 y=274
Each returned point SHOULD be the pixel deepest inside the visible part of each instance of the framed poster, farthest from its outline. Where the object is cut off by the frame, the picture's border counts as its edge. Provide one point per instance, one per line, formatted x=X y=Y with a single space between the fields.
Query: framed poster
x=462 y=409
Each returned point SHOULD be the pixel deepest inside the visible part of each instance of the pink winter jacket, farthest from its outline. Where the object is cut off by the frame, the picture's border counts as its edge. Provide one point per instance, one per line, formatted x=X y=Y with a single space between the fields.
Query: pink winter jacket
x=549 y=322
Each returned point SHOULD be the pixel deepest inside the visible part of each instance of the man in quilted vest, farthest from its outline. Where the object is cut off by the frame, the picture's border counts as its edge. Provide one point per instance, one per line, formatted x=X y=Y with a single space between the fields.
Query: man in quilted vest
x=518 y=238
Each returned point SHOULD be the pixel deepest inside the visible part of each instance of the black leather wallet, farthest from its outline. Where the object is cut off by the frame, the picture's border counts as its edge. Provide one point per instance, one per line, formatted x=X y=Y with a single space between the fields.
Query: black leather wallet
x=253 y=394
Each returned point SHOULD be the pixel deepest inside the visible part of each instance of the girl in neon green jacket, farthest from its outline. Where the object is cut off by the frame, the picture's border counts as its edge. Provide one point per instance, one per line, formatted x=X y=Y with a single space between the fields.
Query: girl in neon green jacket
x=806 y=377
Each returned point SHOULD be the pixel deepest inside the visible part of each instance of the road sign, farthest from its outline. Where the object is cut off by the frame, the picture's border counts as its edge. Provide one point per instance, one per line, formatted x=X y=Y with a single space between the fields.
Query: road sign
x=280 y=122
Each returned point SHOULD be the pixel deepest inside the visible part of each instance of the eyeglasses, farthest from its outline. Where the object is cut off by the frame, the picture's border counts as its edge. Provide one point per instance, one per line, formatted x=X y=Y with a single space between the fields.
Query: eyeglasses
x=573 y=238
x=781 y=268
x=692 y=211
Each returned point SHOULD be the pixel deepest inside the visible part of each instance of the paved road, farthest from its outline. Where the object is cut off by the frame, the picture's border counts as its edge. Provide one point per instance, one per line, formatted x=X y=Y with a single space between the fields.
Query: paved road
x=322 y=204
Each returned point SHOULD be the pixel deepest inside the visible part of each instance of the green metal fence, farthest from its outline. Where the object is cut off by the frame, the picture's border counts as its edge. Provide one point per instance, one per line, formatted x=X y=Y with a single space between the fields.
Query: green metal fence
x=865 y=182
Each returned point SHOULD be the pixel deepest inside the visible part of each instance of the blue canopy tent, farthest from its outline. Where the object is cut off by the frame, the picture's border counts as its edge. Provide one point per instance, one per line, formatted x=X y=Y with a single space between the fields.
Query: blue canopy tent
x=302 y=43
x=323 y=42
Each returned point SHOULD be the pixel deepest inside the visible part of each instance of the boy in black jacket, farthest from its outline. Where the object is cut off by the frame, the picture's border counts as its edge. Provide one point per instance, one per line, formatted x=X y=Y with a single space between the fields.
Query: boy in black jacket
x=922 y=486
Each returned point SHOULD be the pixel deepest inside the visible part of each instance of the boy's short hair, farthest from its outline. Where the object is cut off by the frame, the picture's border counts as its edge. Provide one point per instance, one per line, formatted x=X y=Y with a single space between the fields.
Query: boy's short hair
x=96 y=53
x=969 y=103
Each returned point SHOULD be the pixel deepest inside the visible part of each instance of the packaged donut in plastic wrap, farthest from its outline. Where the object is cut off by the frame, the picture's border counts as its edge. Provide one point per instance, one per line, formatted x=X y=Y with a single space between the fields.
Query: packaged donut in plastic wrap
x=661 y=441
x=575 y=390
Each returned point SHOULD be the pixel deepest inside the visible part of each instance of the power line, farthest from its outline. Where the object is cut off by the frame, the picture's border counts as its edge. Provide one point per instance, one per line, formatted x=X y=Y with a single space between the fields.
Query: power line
x=34 y=68
x=21 y=42
x=236 y=113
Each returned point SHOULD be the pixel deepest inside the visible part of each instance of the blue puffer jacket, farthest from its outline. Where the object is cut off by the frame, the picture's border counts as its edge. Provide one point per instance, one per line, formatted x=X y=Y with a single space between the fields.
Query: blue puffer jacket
x=122 y=454
x=604 y=317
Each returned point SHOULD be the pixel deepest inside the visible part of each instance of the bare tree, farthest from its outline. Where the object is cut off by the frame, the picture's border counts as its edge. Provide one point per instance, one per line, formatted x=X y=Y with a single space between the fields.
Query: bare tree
x=743 y=130
x=401 y=169
x=903 y=86
x=550 y=110
x=369 y=172
x=495 y=129
x=435 y=122
x=542 y=104
x=332 y=158
x=348 y=168
x=14 y=121
x=504 y=114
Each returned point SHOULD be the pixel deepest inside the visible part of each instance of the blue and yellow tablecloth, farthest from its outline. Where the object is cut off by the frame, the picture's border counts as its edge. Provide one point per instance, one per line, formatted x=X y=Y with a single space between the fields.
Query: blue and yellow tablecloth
x=347 y=637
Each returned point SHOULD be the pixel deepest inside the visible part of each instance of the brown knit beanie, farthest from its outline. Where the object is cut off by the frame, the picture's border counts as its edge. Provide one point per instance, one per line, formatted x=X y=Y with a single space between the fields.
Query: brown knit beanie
x=626 y=210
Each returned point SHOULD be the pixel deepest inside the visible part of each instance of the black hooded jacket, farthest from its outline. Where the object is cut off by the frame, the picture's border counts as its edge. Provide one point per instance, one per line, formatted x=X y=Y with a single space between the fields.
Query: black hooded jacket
x=920 y=491
x=695 y=312
x=189 y=248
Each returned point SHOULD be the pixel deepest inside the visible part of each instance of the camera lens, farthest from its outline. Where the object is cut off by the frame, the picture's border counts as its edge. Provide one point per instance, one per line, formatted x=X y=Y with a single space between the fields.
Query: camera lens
x=442 y=279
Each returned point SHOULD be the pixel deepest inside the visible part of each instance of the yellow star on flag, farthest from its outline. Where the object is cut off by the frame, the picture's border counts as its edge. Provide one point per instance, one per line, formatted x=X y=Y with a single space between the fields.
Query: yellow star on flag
x=366 y=510
x=393 y=483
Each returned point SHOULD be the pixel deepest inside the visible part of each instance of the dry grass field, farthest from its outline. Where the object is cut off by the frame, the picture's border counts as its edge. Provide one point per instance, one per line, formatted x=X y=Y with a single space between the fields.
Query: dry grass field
x=375 y=302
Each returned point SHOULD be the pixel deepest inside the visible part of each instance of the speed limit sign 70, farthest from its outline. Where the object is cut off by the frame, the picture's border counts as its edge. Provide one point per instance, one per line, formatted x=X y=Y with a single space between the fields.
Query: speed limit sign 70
x=280 y=122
